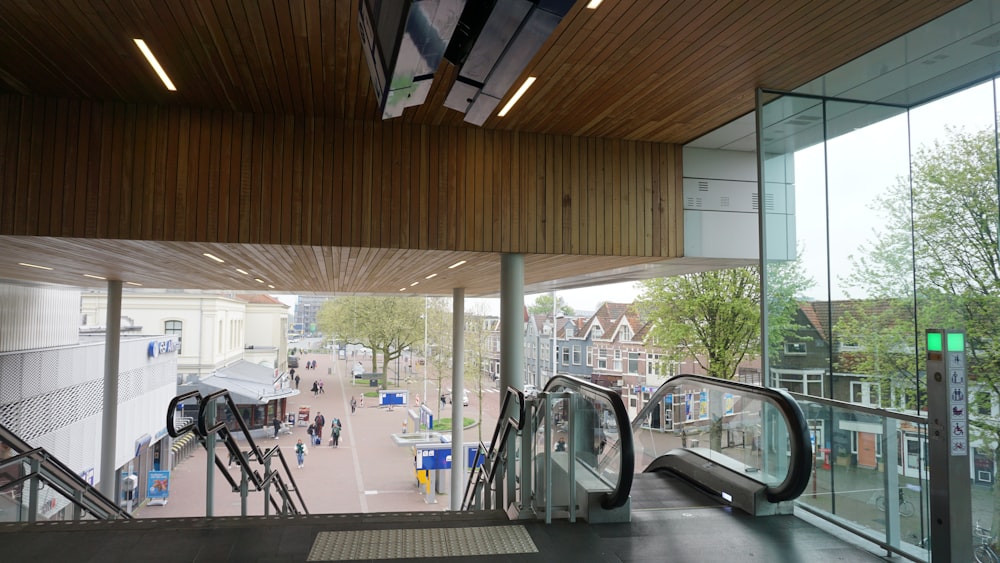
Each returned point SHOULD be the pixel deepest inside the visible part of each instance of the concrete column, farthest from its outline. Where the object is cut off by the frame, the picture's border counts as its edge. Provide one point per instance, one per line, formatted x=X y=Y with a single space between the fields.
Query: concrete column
x=457 y=394
x=109 y=420
x=511 y=321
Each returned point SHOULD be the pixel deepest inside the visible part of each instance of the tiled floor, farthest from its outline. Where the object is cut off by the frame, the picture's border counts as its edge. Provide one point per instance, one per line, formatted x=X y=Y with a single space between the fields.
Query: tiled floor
x=689 y=530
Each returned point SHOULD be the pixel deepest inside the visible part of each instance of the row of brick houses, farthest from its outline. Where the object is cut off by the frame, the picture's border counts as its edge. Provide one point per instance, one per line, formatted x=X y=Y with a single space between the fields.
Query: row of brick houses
x=610 y=349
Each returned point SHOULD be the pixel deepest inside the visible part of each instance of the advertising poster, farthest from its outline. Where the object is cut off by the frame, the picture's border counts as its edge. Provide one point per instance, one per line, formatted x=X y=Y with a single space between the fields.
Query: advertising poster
x=159 y=484
x=703 y=406
x=729 y=402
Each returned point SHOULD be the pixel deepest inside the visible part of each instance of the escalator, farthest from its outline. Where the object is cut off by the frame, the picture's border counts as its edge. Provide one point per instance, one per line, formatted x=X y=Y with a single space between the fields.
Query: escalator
x=699 y=442
x=35 y=486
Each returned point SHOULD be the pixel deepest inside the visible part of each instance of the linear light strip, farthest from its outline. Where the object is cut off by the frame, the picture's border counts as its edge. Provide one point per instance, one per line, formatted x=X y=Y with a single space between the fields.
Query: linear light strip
x=593 y=4
x=151 y=59
x=33 y=266
x=517 y=95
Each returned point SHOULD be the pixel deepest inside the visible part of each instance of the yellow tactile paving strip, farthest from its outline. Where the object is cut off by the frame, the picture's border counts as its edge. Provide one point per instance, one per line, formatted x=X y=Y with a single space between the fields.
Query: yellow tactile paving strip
x=428 y=542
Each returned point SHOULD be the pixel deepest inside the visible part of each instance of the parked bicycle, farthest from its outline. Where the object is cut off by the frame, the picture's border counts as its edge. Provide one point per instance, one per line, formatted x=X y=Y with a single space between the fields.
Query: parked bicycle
x=984 y=551
x=906 y=507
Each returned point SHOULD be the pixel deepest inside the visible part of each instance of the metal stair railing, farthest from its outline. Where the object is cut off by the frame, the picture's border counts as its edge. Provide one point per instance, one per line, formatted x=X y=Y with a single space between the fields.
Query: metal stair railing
x=207 y=428
x=482 y=479
x=33 y=467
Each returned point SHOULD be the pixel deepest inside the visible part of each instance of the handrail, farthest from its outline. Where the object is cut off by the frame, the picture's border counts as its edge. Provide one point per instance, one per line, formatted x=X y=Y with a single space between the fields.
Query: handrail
x=497 y=447
x=200 y=427
x=619 y=496
x=800 y=464
x=64 y=478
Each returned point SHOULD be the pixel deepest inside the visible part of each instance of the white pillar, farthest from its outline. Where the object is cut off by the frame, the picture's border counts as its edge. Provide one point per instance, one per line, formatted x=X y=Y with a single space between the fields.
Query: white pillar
x=457 y=396
x=109 y=420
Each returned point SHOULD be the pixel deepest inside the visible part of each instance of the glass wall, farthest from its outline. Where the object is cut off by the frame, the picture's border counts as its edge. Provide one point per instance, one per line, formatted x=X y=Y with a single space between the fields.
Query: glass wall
x=892 y=212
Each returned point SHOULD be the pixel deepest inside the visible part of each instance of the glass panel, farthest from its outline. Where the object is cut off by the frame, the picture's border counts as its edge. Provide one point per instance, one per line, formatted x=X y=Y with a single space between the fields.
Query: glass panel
x=742 y=431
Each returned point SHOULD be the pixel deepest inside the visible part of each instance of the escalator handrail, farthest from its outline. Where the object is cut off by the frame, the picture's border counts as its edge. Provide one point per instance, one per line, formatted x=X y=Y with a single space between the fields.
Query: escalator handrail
x=619 y=496
x=200 y=427
x=60 y=470
x=799 y=465
x=66 y=483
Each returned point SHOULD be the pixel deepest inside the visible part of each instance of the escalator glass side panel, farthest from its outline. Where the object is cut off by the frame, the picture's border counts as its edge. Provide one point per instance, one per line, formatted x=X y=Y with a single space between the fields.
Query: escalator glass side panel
x=755 y=431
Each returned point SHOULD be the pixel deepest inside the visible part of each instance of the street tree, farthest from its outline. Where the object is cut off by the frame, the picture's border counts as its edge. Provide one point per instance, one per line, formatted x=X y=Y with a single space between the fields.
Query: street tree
x=439 y=343
x=477 y=338
x=713 y=318
x=386 y=325
x=543 y=305
x=936 y=257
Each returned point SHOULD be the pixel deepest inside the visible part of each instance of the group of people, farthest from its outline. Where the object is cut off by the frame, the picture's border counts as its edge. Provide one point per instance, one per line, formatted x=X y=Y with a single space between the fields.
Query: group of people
x=317 y=387
x=315 y=431
x=311 y=364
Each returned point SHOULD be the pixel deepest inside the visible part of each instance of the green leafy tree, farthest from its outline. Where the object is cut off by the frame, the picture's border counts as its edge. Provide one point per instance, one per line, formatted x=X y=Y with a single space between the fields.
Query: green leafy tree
x=543 y=305
x=439 y=353
x=713 y=317
x=477 y=338
x=386 y=325
x=940 y=232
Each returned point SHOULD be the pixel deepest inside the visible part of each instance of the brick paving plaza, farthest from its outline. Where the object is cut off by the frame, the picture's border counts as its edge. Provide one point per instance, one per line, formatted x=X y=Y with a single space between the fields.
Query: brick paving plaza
x=367 y=473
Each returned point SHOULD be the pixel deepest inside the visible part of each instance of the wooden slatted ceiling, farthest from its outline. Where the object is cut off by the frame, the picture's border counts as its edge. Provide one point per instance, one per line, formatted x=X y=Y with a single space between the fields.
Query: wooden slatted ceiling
x=633 y=69
x=117 y=171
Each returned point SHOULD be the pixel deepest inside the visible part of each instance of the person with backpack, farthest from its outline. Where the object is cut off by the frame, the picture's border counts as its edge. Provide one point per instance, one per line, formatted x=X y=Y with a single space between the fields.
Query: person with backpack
x=320 y=422
x=335 y=432
x=300 y=453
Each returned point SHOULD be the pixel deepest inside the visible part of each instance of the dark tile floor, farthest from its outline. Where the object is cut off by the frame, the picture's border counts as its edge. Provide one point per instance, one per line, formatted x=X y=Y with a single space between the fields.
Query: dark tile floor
x=685 y=526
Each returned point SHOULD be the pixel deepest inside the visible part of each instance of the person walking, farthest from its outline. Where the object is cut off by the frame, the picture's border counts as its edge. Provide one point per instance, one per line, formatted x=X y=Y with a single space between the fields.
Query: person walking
x=319 y=421
x=300 y=452
x=354 y=405
x=277 y=426
x=361 y=403
x=315 y=389
x=321 y=386
x=335 y=432
x=296 y=381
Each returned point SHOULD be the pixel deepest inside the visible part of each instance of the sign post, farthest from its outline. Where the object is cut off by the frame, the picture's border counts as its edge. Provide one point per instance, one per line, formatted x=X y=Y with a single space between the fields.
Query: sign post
x=948 y=430
x=159 y=487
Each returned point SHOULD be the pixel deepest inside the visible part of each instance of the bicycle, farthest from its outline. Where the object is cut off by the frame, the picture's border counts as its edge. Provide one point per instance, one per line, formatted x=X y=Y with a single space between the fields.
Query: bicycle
x=983 y=552
x=906 y=507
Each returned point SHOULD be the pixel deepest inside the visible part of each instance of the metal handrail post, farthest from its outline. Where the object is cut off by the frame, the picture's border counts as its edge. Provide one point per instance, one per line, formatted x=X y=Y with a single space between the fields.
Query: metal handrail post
x=210 y=462
x=571 y=449
x=548 y=458
x=267 y=485
x=527 y=436
x=244 y=489
x=33 y=491
x=78 y=505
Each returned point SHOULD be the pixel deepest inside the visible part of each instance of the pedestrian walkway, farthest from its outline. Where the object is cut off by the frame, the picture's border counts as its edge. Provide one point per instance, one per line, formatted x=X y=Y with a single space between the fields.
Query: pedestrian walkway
x=366 y=473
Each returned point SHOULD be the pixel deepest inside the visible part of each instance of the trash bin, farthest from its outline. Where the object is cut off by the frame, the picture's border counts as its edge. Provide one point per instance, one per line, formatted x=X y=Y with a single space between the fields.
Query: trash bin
x=826 y=457
x=694 y=443
x=373 y=383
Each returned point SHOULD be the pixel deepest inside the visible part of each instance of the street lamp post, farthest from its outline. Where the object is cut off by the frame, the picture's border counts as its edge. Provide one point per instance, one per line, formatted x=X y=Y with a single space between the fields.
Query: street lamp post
x=425 y=348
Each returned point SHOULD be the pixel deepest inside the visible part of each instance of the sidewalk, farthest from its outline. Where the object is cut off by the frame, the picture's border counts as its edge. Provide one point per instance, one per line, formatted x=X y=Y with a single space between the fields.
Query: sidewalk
x=367 y=473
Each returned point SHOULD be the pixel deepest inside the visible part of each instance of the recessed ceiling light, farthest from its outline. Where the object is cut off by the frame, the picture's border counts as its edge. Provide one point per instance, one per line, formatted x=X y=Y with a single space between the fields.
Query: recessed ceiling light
x=93 y=276
x=213 y=257
x=151 y=59
x=33 y=266
x=517 y=95
x=271 y=286
x=413 y=284
x=456 y=264
x=402 y=289
x=593 y=4
x=258 y=280
x=133 y=283
x=430 y=276
x=244 y=272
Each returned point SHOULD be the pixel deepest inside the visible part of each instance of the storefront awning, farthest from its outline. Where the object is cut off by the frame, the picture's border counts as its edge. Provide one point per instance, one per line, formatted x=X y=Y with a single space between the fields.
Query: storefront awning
x=247 y=383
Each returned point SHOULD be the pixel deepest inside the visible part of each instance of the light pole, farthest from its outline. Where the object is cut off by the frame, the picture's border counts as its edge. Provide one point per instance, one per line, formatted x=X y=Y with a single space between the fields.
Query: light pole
x=425 y=349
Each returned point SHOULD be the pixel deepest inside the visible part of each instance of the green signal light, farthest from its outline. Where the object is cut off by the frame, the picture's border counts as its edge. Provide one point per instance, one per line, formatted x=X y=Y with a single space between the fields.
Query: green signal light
x=934 y=342
x=956 y=342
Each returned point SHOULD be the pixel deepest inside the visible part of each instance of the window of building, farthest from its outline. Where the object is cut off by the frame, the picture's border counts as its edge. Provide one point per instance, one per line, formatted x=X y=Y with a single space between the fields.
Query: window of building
x=653 y=365
x=795 y=348
x=565 y=355
x=576 y=354
x=598 y=331
x=602 y=358
x=590 y=356
x=618 y=360
x=983 y=403
x=174 y=328
x=866 y=393
x=626 y=333
x=633 y=362
x=807 y=383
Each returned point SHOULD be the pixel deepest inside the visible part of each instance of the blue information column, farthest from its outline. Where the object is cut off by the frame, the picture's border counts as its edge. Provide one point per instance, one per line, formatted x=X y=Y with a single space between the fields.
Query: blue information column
x=948 y=430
